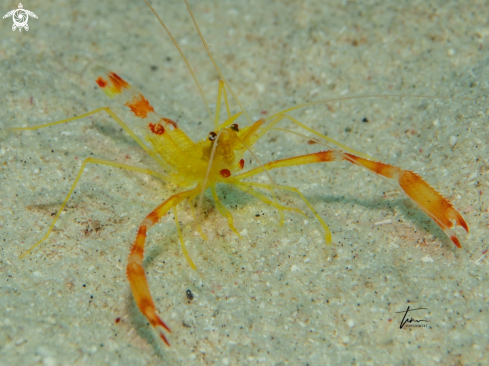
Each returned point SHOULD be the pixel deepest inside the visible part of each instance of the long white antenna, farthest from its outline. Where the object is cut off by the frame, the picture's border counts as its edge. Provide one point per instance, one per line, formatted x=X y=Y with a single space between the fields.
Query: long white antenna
x=184 y=59
x=215 y=64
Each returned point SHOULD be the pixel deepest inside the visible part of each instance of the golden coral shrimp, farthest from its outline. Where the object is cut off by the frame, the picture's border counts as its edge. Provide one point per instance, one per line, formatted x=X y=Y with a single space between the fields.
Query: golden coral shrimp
x=219 y=158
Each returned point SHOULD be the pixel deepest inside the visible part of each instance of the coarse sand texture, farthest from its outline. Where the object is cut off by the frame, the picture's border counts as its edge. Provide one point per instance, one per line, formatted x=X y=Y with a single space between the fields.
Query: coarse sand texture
x=280 y=295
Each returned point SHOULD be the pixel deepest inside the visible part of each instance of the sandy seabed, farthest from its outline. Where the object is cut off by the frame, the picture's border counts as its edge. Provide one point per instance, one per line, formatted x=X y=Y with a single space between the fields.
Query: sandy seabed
x=280 y=296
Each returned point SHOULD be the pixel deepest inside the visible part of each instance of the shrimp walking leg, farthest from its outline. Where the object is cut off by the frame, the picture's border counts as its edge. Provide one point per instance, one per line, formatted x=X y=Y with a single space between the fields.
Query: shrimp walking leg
x=427 y=198
x=111 y=114
x=135 y=271
x=85 y=162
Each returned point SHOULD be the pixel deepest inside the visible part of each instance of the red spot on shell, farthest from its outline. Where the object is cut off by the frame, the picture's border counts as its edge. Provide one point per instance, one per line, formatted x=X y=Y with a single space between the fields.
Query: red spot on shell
x=225 y=173
x=101 y=82
x=168 y=120
x=312 y=142
x=157 y=129
x=264 y=112
x=118 y=82
x=241 y=163
x=117 y=320
x=140 y=106
x=325 y=156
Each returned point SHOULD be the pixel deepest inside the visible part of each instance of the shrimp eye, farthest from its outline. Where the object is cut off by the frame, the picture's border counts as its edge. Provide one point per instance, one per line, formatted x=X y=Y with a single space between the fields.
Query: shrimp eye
x=212 y=136
x=234 y=127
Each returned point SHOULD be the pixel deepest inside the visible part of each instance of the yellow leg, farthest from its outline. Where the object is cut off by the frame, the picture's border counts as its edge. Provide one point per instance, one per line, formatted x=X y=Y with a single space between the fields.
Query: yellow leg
x=182 y=243
x=148 y=150
x=199 y=228
x=244 y=186
x=319 y=157
x=299 y=193
x=279 y=117
x=85 y=162
x=224 y=212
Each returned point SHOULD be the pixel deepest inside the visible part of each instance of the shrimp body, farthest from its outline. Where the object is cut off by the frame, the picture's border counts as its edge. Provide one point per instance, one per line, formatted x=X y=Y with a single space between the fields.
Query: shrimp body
x=190 y=160
x=219 y=158
x=185 y=160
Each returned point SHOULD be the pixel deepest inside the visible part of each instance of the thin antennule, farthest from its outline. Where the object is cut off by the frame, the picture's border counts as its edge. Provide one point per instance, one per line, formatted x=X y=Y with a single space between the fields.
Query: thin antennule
x=340 y=99
x=320 y=142
x=265 y=170
x=204 y=183
x=215 y=64
x=184 y=59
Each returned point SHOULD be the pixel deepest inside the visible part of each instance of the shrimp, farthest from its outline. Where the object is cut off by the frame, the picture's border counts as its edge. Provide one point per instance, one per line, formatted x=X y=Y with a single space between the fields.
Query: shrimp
x=220 y=158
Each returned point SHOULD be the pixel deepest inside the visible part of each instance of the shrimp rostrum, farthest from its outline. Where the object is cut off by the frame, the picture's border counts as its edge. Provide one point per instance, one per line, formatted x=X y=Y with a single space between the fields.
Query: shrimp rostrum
x=219 y=159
